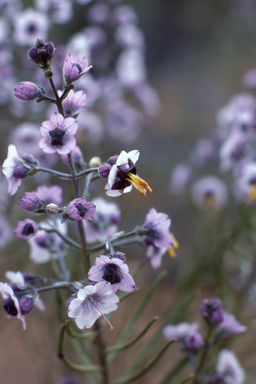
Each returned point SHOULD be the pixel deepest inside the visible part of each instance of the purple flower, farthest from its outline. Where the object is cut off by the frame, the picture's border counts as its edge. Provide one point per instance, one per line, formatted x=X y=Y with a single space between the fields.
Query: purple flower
x=30 y=202
x=103 y=226
x=179 y=331
x=59 y=11
x=211 y=310
x=249 y=79
x=80 y=209
x=246 y=182
x=73 y=69
x=44 y=246
x=202 y=152
x=73 y=102
x=28 y=91
x=230 y=325
x=114 y=270
x=30 y=24
x=14 y=169
x=11 y=303
x=210 y=191
x=194 y=341
x=229 y=369
x=123 y=176
x=92 y=302
x=26 y=229
x=104 y=170
x=19 y=279
x=50 y=194
x=58 y=134
x=158 y=238
x=42 y=53
x=180 y=178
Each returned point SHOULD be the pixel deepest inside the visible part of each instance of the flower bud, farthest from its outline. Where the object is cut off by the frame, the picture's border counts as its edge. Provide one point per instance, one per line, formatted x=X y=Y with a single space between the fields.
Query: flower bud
x=52 y=209
x=26 y=305
x=28 y=91
x=217 y=316
x=30 y=159
x=104 y=170
x=95 y=162
x=42 y=53
x=30 y=202
x=194 y=341
x=112 y=160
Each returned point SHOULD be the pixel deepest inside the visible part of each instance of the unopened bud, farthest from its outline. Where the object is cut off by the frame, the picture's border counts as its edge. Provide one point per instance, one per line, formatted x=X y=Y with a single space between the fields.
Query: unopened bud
x=95 y=162
x=52 y=208
x=28 y=91
x=104 y=170
x=26 y=305
x=30 y=202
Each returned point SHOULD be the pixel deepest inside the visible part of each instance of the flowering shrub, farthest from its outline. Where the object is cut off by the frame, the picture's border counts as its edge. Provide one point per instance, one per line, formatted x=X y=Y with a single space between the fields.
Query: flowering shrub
x=71 y=102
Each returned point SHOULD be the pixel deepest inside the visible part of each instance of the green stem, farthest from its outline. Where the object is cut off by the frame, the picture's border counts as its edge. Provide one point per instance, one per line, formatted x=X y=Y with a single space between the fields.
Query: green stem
x=122 y=347
x=101 y=354
x=67 y=362
x=147 y=366
x=203 y=356
x=187 y=378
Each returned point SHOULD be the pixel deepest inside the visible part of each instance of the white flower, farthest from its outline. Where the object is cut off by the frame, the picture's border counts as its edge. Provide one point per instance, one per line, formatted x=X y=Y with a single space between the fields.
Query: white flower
x=92 y=302
x=229 y=368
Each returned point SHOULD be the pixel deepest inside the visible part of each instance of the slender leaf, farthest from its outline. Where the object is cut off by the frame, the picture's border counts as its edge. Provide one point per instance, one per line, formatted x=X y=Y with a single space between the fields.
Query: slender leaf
x=174 y=317
x=136 y=314
x=121 y=347
x=147 y=366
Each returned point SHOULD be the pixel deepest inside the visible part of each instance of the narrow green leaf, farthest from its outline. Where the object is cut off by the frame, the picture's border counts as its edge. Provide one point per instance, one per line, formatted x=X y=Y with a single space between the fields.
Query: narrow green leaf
x=124 y=346
x=173 y=318
x=82 y=335
x=136 y=314
x=187 y=378
x=81 y=368
x=147 y=366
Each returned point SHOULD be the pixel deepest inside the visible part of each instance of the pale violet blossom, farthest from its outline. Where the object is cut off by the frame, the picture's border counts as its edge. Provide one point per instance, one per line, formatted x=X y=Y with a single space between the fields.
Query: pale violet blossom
x=229 y=369
x=91 y=302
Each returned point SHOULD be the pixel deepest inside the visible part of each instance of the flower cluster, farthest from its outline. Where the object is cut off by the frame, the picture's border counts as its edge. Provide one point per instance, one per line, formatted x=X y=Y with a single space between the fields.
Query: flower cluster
x=220 y=324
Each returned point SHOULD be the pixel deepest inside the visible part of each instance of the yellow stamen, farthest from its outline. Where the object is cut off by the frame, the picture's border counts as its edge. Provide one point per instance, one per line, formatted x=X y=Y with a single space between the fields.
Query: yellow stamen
x=252 y=192
x=138 y=183
x=175 y=245
x=209 y=199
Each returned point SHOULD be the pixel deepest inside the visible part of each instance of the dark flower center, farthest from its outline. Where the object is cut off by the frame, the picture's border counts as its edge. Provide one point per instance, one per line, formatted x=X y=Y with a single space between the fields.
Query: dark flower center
x=81 y=209
x=57 y=136
x=112 y=274
x=9 y=307
x=32 y=28
x=120 y=181
x=27 y=230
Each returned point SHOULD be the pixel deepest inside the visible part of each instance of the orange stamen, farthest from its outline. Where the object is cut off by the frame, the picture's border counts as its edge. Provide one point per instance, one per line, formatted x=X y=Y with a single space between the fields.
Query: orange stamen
x=138 y=183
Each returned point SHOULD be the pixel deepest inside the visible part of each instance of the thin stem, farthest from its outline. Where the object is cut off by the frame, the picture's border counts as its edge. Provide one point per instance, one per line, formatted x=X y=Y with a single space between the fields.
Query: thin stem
x=66 y=238
x=66 y=176
x=101 y=349
x=203 y=356
x=58 y=100
x=115 y=241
